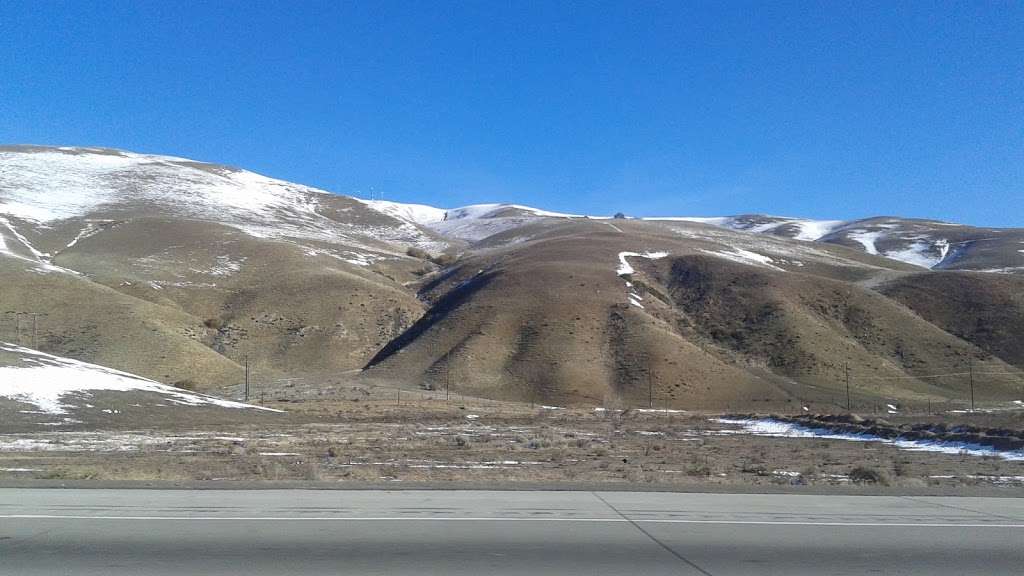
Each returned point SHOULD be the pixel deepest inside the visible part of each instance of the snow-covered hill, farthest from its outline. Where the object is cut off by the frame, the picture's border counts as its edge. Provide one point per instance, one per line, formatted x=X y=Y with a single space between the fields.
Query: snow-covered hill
x=796 y=228
x=471 y=223
x=42 y=186
x=48 y=386
x=924 y=243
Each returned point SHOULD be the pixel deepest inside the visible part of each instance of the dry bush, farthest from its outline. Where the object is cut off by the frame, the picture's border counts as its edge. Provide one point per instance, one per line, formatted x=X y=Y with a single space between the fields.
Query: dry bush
x=415 y=252
x=311 y=471
x=699 y=470
x=900 y=468
x=865 y=475
x=443 y=259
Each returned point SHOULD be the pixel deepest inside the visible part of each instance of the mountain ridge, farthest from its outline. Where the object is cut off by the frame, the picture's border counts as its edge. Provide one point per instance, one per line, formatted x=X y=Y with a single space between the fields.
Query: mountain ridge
x=183 y=271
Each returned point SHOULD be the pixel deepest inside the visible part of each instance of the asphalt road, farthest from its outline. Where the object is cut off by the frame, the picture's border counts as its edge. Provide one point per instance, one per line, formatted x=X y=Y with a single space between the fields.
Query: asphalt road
x=113 y=532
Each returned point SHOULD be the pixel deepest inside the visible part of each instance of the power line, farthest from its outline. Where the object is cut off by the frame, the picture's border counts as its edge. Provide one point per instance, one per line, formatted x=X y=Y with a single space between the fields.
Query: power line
x=941 y=375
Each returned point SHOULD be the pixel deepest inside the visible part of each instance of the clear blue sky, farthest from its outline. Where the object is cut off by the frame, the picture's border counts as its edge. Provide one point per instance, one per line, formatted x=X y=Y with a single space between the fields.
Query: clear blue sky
x=827 y=109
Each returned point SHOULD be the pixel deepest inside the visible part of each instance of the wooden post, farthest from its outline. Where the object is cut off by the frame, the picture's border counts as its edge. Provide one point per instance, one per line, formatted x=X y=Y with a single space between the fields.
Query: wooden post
x=848 y=404
x=971 y=372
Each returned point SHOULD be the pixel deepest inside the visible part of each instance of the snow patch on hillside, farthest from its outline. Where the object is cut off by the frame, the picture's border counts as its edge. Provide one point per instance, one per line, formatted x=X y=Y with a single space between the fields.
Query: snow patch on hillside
x=811 y=230
x=475 y=229
x=415 y=213
x=867 y=239
x=480 y=221
x=744 y=257
x=46 y=381
x=720 y=221
x=40 y=261
x=91 y=229
x=914 y=254
x=807 y=230
x=226 y=266
x=625 y=269
x=493 y=211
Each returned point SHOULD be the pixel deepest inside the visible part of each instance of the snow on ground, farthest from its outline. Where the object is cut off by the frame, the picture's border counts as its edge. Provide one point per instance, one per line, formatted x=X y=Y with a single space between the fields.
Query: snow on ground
x=744 y=257
x=480 y=221
x=414 y=213
x=91 y=229
x=348 y=256
x=990 y=478
x=1008 y=270
x=807 y=230
x=782 y=250
x=49 y=383
x=867 y=239
x=45 y=185
x=811 y=230
x=226 y=266
x=40 y=260
x=105 y=441
x=50 y=185
x=625 y=269
x=475 y=229
x=720 y=221
x=491 y=210
x=776 y=428
x=921 y=253
x=473 y=223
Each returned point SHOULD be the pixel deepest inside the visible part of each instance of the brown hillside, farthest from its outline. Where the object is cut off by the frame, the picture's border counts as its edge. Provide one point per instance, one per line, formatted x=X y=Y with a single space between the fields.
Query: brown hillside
x=984 y=309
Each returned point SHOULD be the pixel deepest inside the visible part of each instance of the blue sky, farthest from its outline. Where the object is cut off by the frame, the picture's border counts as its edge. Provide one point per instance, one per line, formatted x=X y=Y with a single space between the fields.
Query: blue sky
x=827 y=109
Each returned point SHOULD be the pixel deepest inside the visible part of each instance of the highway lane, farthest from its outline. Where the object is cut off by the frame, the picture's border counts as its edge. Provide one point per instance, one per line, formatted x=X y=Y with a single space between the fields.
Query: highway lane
x=113 y=532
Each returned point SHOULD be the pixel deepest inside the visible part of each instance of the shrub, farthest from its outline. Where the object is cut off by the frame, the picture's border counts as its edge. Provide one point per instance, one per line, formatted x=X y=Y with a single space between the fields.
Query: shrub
x=417 y=253
x=213 y=323
x=865 y=475
x=443 y=259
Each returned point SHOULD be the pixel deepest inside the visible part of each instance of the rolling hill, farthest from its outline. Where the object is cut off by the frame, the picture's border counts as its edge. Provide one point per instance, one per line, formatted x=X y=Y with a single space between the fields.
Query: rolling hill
x=181 y=271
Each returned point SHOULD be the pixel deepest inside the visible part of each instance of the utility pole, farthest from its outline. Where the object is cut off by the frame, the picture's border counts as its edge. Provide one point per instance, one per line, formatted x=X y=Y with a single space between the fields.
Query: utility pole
x=17 y=325
x=35 y=328
x=246 y=377
x=848 y=405
x=650 y=387
x=971 y=372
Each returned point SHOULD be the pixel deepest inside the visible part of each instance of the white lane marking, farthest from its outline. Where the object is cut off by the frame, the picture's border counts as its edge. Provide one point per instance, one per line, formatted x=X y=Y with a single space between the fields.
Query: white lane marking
x=500 y=519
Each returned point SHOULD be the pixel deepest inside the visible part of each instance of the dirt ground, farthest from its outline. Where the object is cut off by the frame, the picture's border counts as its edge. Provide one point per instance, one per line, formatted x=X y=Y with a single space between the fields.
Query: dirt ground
x=426 y=438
